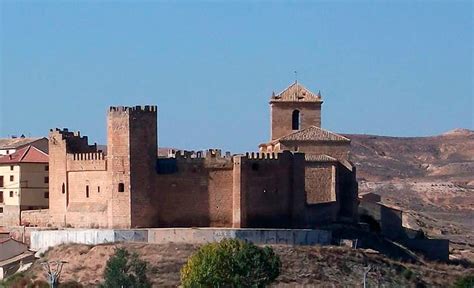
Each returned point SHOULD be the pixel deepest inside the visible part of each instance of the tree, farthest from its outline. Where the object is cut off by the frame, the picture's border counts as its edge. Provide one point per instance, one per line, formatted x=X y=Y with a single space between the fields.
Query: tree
x=125 y=270
x=231 y=263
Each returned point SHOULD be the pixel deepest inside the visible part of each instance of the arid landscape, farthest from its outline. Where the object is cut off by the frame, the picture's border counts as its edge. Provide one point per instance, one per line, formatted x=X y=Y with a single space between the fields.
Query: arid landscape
x=310 y=266
x=430 y=178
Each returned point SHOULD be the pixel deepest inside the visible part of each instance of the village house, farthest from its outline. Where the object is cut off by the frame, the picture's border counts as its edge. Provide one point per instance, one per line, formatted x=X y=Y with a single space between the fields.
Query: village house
x=24 y=181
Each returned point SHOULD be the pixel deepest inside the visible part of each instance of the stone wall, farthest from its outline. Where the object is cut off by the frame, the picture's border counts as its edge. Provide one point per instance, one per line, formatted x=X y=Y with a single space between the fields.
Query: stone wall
x=389 y=219
x=266 y=189
x=281 y=117
x=143 y=152
x=320 y=182
x=131 y=188
x=39 y=218
x=197 y=194
x=11 y=215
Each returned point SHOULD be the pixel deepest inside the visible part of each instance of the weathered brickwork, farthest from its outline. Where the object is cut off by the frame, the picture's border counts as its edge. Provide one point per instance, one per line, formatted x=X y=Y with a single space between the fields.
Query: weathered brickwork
x=39 y=218
x=320 y=184
x=129 y=186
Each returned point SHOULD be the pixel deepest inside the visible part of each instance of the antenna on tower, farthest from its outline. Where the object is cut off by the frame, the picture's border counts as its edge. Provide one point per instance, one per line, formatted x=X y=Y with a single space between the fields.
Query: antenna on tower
x=296 y=76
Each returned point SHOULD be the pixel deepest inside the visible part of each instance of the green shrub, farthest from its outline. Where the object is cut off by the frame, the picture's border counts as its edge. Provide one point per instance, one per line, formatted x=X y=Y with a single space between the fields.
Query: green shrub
x=125 y=270
x=15 y=280
x=231 y=263
x=465 y=282
x=407 y=273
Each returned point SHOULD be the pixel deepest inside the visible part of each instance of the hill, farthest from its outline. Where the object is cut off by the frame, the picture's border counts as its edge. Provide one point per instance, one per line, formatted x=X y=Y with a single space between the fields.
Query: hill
x=430 y=178
x=313 y=266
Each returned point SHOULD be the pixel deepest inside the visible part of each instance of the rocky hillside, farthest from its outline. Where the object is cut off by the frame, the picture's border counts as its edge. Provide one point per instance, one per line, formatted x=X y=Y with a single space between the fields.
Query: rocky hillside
x=430 y=178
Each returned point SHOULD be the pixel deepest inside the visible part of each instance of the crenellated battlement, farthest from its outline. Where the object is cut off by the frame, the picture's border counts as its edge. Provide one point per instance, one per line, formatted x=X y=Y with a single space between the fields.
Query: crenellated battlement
x=92 y=161
x=262 y=156
x=128 y=109
x=65 y=133
x=91 y=156
x=75 y=143
x=207 y=154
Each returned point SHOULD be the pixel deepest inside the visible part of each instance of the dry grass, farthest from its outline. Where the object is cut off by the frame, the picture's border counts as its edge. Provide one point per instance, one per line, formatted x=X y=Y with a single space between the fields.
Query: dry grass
x=302 y=266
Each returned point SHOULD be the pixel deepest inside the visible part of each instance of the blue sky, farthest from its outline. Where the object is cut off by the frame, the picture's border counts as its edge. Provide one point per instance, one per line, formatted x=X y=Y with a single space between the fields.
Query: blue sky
x=392 y=68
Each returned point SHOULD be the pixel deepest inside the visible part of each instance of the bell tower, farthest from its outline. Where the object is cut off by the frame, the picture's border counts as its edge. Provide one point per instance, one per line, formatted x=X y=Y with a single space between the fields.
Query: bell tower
x=293 y=109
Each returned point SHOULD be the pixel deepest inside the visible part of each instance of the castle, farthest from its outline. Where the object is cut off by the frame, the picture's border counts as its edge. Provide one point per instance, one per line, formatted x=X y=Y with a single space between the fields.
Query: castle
x=300 y=179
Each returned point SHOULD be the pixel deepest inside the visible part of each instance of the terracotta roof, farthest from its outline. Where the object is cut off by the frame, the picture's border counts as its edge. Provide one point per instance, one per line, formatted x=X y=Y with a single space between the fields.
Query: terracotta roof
x=15 y=143
x=314 y=133
x=28 y=154
x=296 y=92
x=319 y=158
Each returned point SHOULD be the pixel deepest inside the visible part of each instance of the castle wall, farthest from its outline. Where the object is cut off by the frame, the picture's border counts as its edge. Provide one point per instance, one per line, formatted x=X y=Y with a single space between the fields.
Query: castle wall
x=86 y=161
x=72 y=164
x=88 y=186
x=39 y=217
x=131 y=188
x=347 y=191
x=198 y=193
x=265 y=190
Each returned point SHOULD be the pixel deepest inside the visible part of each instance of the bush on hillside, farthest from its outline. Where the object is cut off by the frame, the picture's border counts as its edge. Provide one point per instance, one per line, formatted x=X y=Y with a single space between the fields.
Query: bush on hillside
x=231 y=263
x=125 y=270
x=465 y=282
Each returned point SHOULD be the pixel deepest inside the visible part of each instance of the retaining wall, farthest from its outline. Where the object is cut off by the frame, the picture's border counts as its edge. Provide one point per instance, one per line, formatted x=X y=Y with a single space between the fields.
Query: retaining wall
x=258 y=236
x=45 y=239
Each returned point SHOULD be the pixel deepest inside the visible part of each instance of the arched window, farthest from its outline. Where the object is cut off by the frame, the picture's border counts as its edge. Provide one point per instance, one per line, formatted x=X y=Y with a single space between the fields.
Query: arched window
x=295 y=120
x=63 y=189
x=87 y=191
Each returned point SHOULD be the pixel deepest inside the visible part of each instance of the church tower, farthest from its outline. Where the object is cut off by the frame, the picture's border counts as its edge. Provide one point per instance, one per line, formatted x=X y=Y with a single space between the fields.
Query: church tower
x=293 y=109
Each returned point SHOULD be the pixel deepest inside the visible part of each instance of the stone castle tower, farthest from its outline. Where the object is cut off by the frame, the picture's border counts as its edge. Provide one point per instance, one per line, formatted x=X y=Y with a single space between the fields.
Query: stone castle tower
x=131 y=155
x=112 y=190
x=296 y=108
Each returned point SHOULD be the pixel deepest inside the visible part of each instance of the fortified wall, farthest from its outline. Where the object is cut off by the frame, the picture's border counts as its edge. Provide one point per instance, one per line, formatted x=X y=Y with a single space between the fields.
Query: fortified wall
x=130 y=187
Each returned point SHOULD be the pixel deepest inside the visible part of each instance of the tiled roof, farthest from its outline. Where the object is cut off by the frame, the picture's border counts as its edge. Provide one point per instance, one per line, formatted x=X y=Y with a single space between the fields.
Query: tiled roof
x=28 y=154
x=319 y=158
x=296 y=92
x=14 y=143
x=314 y=133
